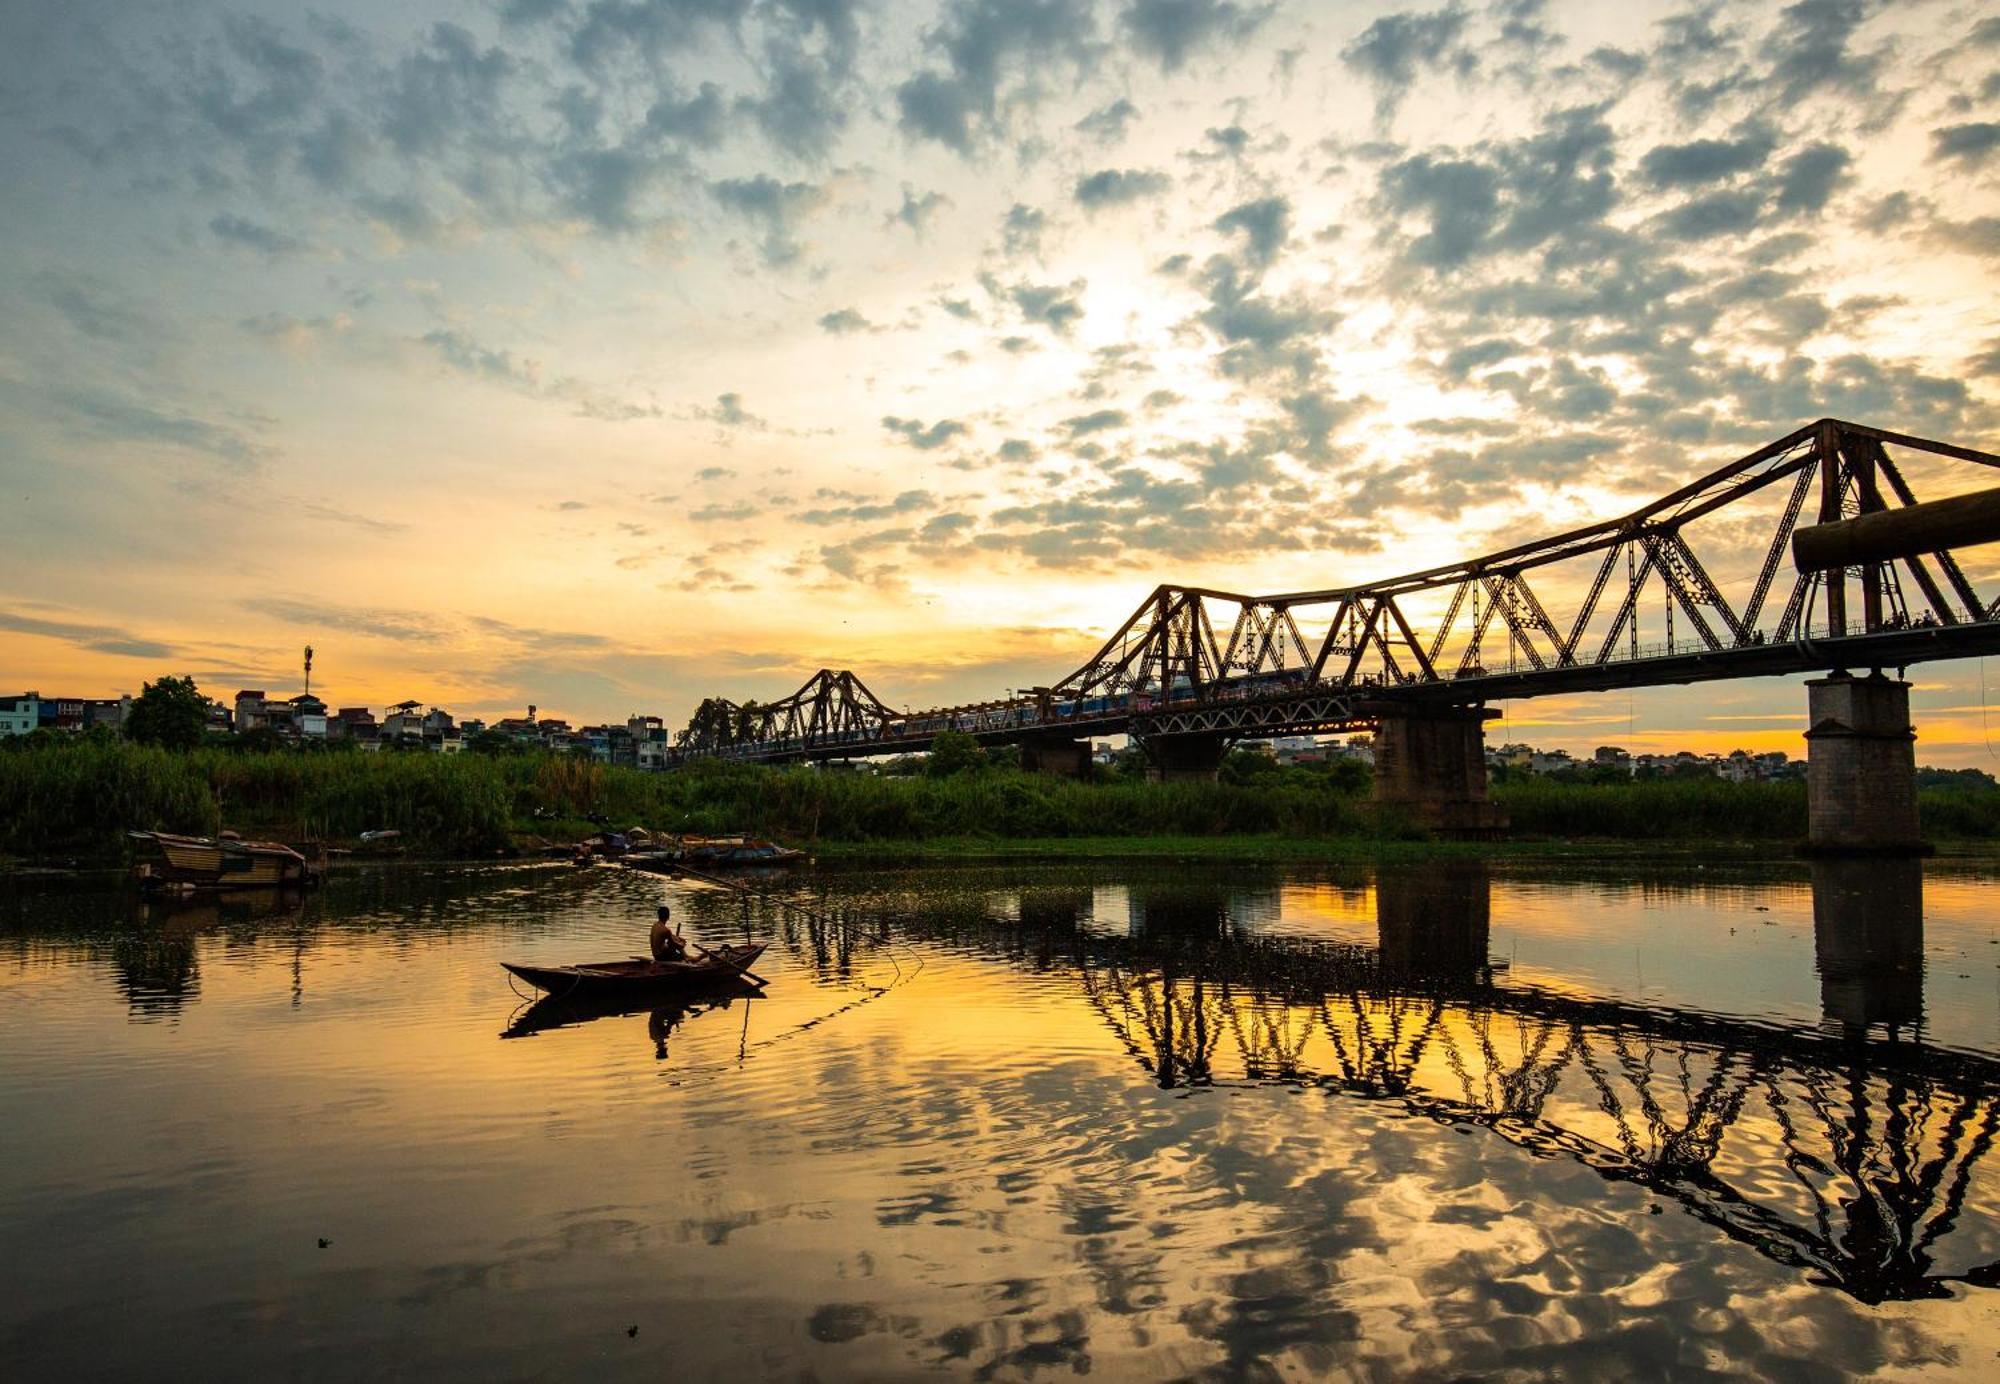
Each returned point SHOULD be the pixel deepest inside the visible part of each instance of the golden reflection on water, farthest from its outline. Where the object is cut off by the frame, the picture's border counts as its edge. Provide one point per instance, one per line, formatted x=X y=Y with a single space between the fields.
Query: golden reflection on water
x=1148 y=1121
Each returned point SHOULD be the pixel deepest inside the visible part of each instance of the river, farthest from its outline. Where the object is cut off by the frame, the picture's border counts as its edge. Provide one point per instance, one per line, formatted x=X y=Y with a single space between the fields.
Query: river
x=1140 y=1119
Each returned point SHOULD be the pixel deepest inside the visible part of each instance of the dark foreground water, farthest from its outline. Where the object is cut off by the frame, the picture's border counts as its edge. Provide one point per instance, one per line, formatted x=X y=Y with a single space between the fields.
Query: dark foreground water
x=1208 y=1120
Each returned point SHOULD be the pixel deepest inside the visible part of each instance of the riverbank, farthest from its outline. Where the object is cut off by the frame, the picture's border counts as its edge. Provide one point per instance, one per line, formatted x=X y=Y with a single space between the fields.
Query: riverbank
x=76 y=801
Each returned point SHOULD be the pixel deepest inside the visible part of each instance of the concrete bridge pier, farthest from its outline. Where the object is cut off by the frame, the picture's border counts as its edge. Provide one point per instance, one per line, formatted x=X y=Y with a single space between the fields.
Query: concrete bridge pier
x=1868 y=942
x=1056 y=754
x=1172 y=758
x=1430 y=762
x=1861 y=767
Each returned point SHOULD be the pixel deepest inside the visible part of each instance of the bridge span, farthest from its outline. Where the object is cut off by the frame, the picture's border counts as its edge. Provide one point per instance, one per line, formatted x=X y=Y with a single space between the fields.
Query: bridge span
x=1418 y=657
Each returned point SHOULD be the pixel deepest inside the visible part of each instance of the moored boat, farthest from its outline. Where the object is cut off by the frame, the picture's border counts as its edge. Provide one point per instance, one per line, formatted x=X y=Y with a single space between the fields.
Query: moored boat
x=724 y=966
x=735 y=850
x=179 y=863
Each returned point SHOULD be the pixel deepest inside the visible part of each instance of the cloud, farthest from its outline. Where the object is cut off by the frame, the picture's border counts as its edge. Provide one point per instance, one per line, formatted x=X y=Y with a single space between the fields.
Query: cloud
x=909 y=502
x=1460 y=198
x=1391 y=51
x=1108 y=124
x=1508 y=195
x=1726 y=213
x=95 y=312
x=1170 y=31
x=1810 y=177
x=1261 y=334
x=102 y=639
x=297 y=334
x=780 y=208
x=523 y=375
x=611 y=31
x=334 y=514
x=235 y=230
x=399 y=624
x=1705 y=160
x=725 y=513
x=844 y=322
x=447 y=90
x=1810 y=49
x=916 y=212
x=1111 y=187
x=1021 y=230
x=1265 y=225
x=125 y=419
x=925 y=439
x=609 y=187
x=801 y=111
x=700 y=121
x=991 y=46
x=1230 y=141
x=1970 y=144
x=1055 y=306
x=1103 y=420
x=729 y=412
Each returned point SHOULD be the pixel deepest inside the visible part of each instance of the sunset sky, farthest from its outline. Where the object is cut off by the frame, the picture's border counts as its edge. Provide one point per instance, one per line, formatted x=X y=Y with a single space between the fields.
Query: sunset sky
x=608 y=354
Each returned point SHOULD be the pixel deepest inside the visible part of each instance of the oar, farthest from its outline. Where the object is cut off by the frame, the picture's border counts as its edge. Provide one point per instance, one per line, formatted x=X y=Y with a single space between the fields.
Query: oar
x=743 y=971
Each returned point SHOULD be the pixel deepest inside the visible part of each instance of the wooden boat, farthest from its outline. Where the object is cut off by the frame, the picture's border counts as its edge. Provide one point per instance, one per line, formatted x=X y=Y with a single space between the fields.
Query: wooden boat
x=724 y=966
x=735 y=850
x=181 y=863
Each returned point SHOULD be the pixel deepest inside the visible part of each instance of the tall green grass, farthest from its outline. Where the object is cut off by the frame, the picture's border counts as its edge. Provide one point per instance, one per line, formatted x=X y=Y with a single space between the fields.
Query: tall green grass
x=83 y=797
x=1707 y=809
x=78 y=798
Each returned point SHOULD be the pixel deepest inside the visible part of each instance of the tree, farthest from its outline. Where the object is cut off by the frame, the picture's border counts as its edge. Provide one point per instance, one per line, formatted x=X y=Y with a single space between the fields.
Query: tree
x=954 y=752
x=259 y=740
x=170 y=713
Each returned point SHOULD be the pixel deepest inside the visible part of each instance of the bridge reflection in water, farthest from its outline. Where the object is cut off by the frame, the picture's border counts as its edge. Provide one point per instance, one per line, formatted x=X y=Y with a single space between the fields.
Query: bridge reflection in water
x=1850 y=1150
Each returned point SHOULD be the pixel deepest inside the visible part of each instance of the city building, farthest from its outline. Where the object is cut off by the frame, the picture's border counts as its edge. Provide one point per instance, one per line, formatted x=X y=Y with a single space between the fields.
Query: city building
x=109 y=712
x=308 y=716
x=20 y=715
x=249 y=711
x=404 y=724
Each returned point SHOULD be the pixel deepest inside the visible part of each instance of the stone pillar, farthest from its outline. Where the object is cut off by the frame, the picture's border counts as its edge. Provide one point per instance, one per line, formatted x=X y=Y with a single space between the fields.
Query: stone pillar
x=1430 y=762
x=1056 y=755
x=1172 y=758
x=1868 y=941
x=1861 y=767
x=1434 y=923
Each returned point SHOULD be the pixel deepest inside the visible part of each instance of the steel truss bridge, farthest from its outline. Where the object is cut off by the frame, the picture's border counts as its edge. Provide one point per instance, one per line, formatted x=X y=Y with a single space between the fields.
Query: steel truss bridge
x=1861 y=1160
x=1557 y=615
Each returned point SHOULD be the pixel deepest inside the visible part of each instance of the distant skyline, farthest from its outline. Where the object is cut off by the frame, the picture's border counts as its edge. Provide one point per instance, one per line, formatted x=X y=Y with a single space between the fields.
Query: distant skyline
x=610 y=354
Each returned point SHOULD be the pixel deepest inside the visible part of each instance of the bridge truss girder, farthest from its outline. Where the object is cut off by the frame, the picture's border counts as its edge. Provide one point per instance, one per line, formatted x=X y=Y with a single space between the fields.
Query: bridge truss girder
x=1166 y=670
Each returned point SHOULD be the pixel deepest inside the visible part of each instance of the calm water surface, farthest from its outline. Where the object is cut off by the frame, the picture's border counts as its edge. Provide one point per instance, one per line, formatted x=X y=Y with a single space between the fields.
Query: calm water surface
x=1162 y=1120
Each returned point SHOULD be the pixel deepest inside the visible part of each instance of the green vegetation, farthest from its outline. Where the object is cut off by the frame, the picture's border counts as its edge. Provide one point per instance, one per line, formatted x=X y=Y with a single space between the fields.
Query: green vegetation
x=170 y=713
x=64 y=796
